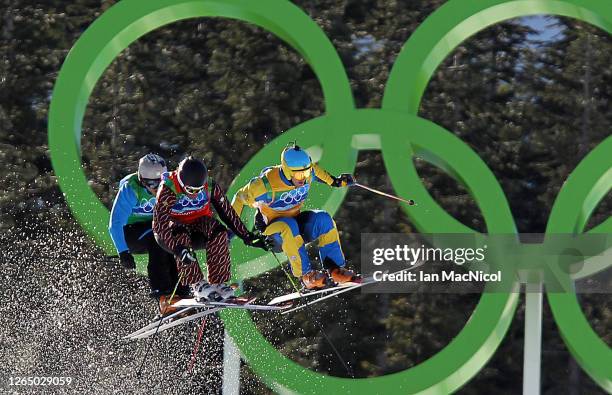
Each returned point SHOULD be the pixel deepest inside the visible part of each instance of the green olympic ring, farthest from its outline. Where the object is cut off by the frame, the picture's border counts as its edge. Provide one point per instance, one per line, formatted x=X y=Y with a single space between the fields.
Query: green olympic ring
x=397 y=131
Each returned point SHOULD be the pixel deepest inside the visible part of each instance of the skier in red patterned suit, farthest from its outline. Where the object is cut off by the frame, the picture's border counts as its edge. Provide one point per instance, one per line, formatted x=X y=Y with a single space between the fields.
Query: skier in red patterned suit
x=183 y=221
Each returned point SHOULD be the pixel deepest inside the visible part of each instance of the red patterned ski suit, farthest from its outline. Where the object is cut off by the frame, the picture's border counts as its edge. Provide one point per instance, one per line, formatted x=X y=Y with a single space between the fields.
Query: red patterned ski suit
x=197 y=228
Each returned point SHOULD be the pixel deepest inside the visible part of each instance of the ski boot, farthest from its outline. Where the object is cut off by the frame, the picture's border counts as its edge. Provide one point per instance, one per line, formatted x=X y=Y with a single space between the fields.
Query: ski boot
x=339 y=274
x=316 y=279
x=205 y=292
x=165 y=304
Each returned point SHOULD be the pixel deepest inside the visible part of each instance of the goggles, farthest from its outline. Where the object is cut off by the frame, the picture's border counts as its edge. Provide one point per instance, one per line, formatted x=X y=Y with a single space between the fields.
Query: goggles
x=192 y=190
x=152 y=183
x=301 y=175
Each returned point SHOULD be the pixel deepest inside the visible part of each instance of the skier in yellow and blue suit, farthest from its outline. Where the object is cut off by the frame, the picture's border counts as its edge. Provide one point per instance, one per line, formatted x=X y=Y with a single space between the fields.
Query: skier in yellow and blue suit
x=278 y=194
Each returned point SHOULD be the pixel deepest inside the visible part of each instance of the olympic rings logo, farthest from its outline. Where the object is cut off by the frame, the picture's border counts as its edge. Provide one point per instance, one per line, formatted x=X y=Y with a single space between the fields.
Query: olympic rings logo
x=196 y=202
x=147 y=205
x=296 y=195
x=396 y=130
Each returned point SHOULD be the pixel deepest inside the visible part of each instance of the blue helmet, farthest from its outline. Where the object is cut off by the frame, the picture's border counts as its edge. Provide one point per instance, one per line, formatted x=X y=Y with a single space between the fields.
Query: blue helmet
x=295 y=162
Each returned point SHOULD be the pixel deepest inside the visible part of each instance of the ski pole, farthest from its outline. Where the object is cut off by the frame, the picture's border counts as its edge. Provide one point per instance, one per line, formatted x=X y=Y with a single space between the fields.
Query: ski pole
x=348 y=369
x=173 y=291
x=409 y=202
x=150 y=343
x=196 y=346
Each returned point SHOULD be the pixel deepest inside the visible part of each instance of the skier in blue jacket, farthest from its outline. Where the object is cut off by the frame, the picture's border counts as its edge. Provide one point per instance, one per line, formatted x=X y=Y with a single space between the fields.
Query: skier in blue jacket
x=131 y=229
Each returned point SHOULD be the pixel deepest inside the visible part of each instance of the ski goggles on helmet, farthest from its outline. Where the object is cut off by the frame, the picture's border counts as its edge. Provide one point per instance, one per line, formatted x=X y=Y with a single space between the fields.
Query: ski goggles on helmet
x=302 y=174
x=152 y=183
x=192 y=190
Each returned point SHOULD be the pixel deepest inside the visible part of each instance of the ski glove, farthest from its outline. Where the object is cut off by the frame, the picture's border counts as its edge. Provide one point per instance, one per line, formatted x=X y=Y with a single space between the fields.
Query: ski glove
x=344 y=180
x=127 y=260
x=258 y=241
x=186 y=255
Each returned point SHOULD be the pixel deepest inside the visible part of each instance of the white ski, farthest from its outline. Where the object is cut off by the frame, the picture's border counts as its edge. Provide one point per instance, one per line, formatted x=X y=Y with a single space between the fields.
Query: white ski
x=155 y=323
x=190 y=304
x=306 y=293
x=174 y=323
x=369 y=280
x=165 y=321
x=228 y=305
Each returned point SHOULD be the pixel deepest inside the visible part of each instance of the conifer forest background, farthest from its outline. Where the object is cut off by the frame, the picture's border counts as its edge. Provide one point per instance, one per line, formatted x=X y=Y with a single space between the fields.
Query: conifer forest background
x=532 y=96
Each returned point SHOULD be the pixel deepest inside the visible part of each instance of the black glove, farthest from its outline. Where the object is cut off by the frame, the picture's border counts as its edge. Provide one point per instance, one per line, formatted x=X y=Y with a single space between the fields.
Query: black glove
x=344 y=180
x=127 y=260
x=186 y=255
x=259 y=241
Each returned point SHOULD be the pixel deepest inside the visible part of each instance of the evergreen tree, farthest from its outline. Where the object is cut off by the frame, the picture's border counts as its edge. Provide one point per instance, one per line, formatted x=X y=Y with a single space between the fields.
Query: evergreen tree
x=221 y=89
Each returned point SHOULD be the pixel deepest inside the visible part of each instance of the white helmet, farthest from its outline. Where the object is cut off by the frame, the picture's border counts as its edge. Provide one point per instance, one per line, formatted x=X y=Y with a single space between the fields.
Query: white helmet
x=151 y=167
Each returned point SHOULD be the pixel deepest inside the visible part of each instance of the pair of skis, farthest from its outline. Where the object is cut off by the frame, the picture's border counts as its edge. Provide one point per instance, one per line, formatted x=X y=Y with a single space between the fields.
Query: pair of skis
x=190 y=310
